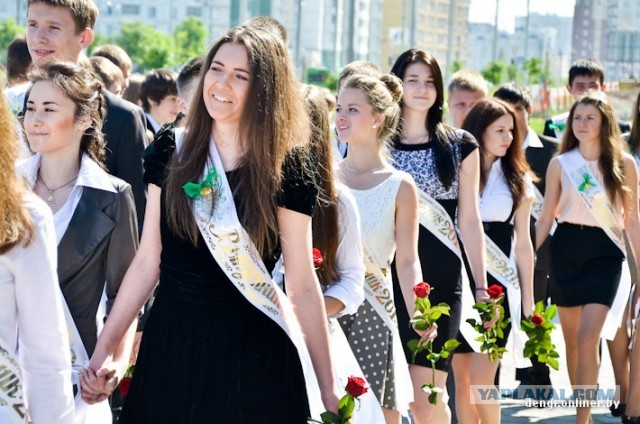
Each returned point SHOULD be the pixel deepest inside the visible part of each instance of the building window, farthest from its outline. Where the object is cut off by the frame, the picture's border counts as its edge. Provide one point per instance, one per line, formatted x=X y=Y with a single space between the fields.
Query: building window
x=130 y=9
x=194 y=11
x=151 y=12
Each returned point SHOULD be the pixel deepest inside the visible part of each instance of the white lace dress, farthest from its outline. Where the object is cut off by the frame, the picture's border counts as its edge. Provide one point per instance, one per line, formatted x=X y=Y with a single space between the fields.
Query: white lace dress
x=366 y=332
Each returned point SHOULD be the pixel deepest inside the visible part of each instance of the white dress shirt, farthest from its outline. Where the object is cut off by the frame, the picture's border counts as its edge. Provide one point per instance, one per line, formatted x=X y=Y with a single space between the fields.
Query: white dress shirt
x=532 y=140
x=90 y=175
x=496 y=201
x=154 y=124
x=32 y=321
x=349 y=257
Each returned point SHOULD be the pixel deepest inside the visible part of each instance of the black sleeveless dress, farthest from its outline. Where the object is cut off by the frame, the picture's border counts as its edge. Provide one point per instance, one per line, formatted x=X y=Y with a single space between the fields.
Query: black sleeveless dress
x=207 y=355
x=440 y=266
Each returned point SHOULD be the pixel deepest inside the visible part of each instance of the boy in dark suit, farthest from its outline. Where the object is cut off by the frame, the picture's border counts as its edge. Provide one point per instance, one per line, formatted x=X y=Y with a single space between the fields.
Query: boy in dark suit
x=62 y=29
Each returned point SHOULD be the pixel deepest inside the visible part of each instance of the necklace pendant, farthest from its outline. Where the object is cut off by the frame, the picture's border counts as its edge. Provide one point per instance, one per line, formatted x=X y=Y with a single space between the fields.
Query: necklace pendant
x=50 y=200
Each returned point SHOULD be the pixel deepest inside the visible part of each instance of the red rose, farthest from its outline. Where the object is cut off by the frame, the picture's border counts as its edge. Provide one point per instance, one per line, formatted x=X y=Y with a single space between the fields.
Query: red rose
x=495 y=291
x=356 y=386
x=422 y=289
x=123 y=387
x=537 y=320
x=317 y=258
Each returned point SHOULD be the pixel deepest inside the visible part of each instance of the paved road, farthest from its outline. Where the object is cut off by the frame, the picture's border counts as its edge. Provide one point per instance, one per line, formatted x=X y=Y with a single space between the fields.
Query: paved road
x=514 y=412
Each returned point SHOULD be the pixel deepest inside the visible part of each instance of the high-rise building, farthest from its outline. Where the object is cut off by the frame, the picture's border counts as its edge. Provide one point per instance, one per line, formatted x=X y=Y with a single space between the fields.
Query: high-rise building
x=589 y=36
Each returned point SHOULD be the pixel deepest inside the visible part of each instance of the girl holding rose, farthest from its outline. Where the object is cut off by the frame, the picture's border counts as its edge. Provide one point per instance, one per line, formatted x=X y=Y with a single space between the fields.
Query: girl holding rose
x=505 y=199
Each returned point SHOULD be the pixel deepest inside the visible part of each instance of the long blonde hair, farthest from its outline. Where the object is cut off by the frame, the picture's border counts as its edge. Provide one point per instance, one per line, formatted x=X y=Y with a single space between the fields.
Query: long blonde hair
x=611 y=145
x=273 y=121
x=16 y=223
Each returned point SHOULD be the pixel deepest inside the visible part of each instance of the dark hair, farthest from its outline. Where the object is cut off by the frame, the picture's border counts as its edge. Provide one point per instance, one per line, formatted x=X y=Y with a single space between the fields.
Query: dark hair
x=514 y=94
x=83 y=12
x=611 y=145
x=359 y=67
x=514 y=164
x=269 y=24
x=325 y=219
x=586 y=67
x=439 y=133
x=85 y=90
x=189 y=71
x=157 y=85
x=273 y=121
x=634 y=136
x=115 y=54
x=132 y=93
x=18 y=60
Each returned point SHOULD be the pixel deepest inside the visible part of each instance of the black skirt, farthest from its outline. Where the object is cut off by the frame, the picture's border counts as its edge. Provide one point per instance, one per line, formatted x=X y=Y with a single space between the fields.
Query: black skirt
x=585 y=266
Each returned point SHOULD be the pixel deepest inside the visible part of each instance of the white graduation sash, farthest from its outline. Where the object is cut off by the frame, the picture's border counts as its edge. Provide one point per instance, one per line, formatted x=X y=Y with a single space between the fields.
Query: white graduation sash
x=596 y=200
x=236 y=254
x=368 y=410
x=12 y=407
x=98 y=413
x=378 y=291
x=436 y=219
x=504 y=270
x=536 y=208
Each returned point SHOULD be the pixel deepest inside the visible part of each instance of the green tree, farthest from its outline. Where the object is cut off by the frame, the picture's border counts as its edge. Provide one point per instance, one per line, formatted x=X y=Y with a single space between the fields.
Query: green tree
x=513 y=73
x=533 y=68
x=494 y=72
x=147 y=47
x=456 y=65
x=9 y=30
x=190 y=38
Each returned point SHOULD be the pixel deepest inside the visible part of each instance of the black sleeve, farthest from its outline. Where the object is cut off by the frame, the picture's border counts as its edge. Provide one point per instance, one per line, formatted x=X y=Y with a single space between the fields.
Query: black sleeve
x=468 y=144
x=157 y=156
x=547 y=129
x=299 y=190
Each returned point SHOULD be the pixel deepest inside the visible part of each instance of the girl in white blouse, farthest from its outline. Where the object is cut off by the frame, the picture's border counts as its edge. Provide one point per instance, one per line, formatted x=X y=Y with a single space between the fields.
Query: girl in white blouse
x=506 y=196
x=33 y=337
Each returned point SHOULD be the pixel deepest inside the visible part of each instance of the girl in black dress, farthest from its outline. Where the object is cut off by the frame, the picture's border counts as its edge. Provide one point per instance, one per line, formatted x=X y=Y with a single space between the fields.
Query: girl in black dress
x=587 y=275
x=506 y=195
x=208 y=355
x=445 y=165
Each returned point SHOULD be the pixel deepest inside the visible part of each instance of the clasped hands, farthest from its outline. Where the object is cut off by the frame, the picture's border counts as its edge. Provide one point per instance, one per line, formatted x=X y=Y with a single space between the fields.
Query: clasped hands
x=98 y=386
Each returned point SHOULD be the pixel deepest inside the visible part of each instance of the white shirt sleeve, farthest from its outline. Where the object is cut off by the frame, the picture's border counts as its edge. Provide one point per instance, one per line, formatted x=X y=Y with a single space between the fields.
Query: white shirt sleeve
x=349 y=257
x=43 y=343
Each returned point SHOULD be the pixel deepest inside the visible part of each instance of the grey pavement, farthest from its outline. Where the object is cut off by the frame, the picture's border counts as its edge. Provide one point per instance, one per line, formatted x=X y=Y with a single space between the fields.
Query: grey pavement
x=515 y=412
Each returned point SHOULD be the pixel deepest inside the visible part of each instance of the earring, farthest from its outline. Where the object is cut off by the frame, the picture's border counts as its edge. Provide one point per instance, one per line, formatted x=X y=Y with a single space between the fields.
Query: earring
x=374 y=126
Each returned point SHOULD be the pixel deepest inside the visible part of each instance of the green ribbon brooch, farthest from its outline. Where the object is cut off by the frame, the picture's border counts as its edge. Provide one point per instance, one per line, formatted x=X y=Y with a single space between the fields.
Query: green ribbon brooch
x=558 y=126
x=587 y=182
x=211 y=181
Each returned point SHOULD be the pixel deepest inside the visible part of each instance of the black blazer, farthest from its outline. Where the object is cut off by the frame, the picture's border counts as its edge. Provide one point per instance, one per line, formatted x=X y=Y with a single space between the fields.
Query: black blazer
x=125 y=136
x=96 y=250
x=539 y=158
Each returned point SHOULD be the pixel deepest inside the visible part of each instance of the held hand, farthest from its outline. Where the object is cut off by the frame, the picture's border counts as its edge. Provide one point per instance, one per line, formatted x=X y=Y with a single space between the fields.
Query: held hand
x=330 y=400
x=528 y=309
x=96 y=387
x=491 y=323
x=427 y=335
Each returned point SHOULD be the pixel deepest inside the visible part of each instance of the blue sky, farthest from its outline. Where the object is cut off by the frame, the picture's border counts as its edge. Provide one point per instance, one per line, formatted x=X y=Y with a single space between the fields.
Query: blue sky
x=484 y=10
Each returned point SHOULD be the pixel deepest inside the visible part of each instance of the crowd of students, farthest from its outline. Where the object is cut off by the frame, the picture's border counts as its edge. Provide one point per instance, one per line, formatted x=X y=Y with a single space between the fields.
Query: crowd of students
x=174 y=230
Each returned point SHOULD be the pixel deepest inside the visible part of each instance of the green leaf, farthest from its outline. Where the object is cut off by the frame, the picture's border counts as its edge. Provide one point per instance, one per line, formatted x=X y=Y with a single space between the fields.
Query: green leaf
x=553 y=363
x=433 y=398
x=451 y=344
x=433 y=316
x=543 y=358
x=347 y=411
x=444 y=354
x=550 y=313
x=413 y=344
x=330 y=418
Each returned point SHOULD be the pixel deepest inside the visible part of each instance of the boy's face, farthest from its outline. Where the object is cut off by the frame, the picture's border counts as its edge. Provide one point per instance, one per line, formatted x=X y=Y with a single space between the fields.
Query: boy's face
x=51 y=32
x=460 y=103
x=583 y=83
